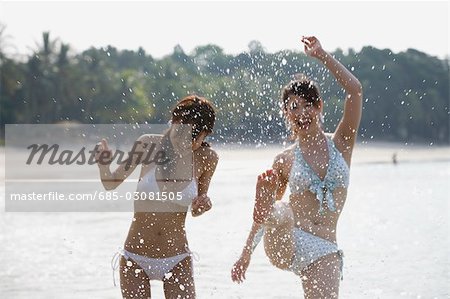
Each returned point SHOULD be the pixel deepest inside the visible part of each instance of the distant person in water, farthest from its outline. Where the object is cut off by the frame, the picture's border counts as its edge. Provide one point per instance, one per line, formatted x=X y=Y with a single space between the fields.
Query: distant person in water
x=300 y=236
x=156 y=247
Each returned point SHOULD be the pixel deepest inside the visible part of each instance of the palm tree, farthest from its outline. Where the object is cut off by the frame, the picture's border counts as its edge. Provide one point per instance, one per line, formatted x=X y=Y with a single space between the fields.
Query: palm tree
x=41 y=77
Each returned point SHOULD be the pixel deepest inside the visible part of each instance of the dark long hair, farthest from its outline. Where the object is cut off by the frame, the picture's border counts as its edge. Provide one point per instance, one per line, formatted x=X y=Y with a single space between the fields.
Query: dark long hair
x=196 y=111
x=304 y=88
x=301 y=87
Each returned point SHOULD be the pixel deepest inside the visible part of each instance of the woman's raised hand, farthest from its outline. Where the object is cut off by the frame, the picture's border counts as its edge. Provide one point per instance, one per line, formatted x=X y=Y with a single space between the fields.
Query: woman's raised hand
x=312 y=46
x=103 y=153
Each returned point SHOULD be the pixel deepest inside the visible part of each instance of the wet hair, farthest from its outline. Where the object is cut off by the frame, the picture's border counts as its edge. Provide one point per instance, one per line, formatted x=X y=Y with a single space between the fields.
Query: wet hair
x=305 y=88
x=196 y=111
x=193 y=110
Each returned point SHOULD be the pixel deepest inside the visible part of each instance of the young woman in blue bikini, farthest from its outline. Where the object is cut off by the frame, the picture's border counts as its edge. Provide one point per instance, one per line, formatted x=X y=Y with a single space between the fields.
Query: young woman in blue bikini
x=156 y=247
x=300 y=236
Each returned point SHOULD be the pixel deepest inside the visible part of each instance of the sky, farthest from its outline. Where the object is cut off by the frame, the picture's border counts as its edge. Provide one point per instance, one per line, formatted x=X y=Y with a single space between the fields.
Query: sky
x=159 y=26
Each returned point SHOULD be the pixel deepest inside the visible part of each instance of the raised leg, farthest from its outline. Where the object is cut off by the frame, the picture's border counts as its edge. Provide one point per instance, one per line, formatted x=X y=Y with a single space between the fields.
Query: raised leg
x=278 y=237
x=277 y=219
x=265 y=196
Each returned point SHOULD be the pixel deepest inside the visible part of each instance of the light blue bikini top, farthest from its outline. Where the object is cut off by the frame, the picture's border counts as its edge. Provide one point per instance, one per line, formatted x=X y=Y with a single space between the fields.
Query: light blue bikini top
x=148 y=184
x=303 y=178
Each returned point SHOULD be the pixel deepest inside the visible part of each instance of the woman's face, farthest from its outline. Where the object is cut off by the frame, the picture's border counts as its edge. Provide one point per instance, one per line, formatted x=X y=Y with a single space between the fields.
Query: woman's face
x=301 y=114
x=181 y=137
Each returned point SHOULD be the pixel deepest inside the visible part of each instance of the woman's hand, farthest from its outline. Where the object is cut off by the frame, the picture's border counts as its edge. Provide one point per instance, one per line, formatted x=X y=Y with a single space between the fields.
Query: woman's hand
x=240 y=267
x=313 y=47
x=200 y=205
x=103 y=154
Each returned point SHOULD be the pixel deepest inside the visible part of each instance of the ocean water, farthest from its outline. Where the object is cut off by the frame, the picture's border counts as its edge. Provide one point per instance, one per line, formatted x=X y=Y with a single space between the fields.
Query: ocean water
x=394 y=231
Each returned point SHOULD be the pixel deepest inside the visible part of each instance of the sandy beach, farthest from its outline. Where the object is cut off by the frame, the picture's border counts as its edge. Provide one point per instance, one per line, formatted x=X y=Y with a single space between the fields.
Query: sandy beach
x=393 y=231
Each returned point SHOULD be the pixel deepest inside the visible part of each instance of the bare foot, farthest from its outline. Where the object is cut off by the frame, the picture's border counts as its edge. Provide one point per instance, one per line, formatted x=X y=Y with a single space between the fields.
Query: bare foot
x=265 y=190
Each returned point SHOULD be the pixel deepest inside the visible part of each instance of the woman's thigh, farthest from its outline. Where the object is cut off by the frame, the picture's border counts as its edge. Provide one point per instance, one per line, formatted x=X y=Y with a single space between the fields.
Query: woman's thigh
x=180 y=284
x=279 y=246
x=278 y=237
x=134 y=282
x=321 y=278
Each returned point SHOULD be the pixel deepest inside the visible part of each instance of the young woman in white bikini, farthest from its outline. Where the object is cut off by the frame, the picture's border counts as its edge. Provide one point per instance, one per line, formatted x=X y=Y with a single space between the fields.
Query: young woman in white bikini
x=300 y=236
x=156 y=247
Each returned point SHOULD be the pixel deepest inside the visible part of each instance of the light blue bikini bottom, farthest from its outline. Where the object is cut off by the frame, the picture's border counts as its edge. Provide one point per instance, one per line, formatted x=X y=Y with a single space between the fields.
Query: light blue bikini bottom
x=309 y=248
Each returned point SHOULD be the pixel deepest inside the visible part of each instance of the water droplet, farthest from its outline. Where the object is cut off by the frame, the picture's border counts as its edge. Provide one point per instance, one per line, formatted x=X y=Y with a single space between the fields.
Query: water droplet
x=168 y=275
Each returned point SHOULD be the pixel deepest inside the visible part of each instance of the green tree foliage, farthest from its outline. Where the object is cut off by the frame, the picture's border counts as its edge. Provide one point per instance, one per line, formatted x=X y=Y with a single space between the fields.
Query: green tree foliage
x=406 y=95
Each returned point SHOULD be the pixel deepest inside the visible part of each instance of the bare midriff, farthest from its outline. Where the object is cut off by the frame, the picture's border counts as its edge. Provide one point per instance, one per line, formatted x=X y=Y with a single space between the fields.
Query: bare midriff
x=307 y=217
x=157 y=234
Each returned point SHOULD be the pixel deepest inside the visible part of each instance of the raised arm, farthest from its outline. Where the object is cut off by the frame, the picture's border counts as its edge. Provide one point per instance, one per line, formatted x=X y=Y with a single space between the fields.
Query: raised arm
x=210 y=160
x=348 y=126
x=112 y=179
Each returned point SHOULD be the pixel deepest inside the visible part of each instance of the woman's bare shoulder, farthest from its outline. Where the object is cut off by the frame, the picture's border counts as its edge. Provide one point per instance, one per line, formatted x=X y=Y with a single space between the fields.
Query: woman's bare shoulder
x=207 y=153
x=284 y=159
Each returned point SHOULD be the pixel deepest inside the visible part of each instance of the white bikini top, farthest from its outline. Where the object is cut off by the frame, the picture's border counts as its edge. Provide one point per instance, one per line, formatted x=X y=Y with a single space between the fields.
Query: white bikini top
x=149 y=186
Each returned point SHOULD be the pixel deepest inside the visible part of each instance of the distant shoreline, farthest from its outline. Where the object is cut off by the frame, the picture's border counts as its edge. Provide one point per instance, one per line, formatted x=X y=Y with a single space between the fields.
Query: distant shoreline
x=365 y=143
x=364 y=153
x=387 y=144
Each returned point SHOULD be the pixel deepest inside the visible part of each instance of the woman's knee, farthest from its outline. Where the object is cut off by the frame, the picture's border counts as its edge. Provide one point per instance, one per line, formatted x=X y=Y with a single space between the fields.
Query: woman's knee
x=281 y=215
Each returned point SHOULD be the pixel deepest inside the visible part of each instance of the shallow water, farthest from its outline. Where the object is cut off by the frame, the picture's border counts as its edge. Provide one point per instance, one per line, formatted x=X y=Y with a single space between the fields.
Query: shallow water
x=394 y=232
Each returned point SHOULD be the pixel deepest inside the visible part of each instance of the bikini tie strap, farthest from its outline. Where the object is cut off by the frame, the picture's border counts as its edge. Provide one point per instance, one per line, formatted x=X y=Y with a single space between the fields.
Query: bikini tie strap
x=323 y=191
x=341 y=255
x=194 y=255
x=115 y=264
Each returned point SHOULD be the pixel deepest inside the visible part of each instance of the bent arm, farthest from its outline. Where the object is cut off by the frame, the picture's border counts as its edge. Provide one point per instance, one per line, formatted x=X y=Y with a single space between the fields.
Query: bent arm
x=253 y=239
x=348 y=126
x=212 y=158
x=112 y=179
x=345 y=78
x=202 y=203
